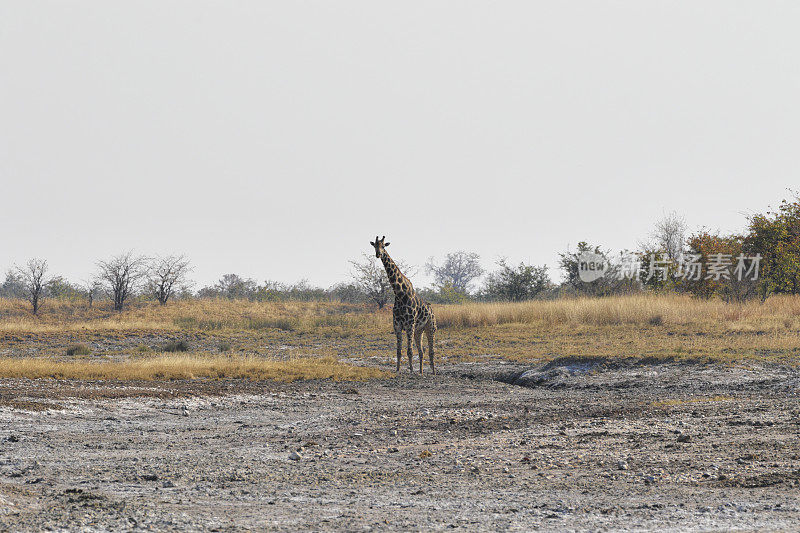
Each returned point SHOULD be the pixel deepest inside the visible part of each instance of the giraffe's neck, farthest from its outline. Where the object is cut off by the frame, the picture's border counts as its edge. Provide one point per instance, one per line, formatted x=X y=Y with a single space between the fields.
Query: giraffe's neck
x=400 y=283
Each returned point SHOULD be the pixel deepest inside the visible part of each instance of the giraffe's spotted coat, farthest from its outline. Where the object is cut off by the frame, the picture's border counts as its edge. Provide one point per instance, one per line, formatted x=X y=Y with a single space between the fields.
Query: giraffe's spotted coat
x=410 y=313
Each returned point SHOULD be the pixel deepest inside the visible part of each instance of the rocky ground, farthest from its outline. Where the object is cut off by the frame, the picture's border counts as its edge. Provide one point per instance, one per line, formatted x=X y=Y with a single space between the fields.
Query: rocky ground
x=574 y=444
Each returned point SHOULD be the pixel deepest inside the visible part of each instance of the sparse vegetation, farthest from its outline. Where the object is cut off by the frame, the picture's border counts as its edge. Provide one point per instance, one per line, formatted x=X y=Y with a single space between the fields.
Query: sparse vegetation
x=643 y=325
x=189 y=367
x=78 y=349
x=176 y=346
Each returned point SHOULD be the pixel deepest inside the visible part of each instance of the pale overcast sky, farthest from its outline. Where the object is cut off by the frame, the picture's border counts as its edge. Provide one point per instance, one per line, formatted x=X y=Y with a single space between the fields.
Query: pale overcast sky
x=275 y=139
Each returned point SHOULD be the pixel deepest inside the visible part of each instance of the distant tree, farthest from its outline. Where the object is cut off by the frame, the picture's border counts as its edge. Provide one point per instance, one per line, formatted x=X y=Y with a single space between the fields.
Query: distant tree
x=121 y=276
x=33 y=279
x=776 y=237
x=444 y=294
x=661 y=256
x=612 y=282
x=351 y=293
x=298 y=291
x=459 y=270
x=569 y=263
x=61 y=289
x=522 y=282
x=368 y=274
x=209 y=291
x=13 y=286
x=304 y=291
x=91 y=288
x=729 y=285
x=233 y=287
x=166 y=275
x=669 y=235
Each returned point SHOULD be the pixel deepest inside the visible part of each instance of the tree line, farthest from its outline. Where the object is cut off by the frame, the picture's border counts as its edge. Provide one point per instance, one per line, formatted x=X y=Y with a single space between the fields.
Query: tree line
x=773 y=236
x=165 y=278
x=770 y=241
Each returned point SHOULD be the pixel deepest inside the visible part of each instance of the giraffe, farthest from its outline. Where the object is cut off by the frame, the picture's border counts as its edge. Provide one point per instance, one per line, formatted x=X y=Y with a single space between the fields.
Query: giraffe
x=410 y=313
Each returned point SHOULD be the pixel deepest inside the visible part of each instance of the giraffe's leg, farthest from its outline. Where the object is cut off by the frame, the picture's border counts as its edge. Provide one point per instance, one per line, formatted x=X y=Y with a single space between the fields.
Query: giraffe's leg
x=410 y=350
x=430 y=332
x=418 y=342
x=399 y=333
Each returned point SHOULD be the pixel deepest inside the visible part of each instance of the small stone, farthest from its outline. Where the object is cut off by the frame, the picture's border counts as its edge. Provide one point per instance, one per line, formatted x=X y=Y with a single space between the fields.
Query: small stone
x=294 y=456
x=393 y=450
x=150 y=477
x=684 y=437
x=622 y=465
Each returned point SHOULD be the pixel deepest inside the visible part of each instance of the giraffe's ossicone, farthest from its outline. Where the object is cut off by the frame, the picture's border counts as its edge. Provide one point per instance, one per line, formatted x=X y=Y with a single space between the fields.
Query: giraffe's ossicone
x=410 y=313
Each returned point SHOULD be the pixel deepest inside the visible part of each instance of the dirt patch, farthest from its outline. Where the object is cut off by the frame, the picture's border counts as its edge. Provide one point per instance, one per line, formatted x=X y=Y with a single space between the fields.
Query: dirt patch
x=678 y=447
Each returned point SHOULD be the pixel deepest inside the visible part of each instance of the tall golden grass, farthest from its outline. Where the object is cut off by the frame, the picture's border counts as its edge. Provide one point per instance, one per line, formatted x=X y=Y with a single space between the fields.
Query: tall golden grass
x=205 y=314
x=168 y=367
x=644 y=309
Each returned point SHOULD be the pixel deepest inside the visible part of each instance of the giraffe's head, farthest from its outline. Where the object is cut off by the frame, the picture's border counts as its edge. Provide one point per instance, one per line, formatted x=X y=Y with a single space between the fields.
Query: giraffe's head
x=379 y=245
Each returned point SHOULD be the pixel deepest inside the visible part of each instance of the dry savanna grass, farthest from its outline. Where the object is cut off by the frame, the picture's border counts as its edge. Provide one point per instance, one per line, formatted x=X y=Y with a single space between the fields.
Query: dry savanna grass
x=217 y=314
x=646 y=309
x=205 y=315
x=642 y=326
x=169 y=367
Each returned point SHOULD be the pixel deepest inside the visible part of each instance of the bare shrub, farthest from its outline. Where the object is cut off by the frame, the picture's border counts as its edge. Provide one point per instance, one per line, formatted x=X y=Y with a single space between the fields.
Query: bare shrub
x=32 y=276
x=167 y=274
x=370 y=276
x=121 y=275
x=459 y=270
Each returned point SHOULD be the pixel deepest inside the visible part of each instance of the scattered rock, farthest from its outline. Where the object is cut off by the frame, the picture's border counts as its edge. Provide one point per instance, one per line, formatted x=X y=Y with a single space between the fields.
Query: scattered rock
x=295 y=456
x=684 y=437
